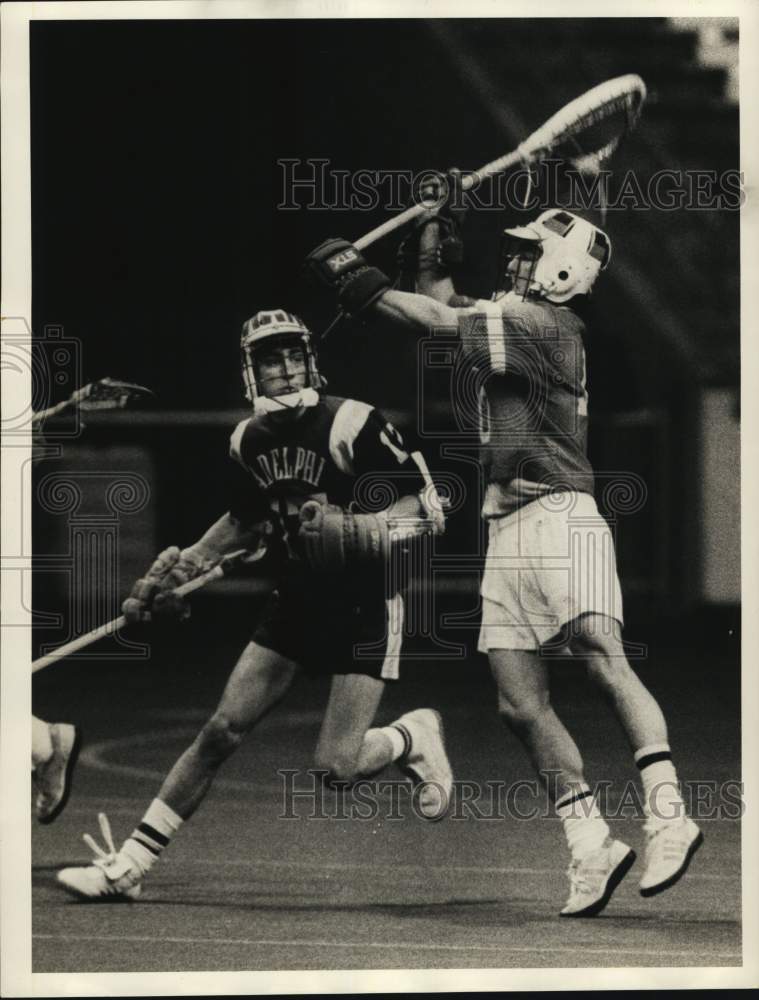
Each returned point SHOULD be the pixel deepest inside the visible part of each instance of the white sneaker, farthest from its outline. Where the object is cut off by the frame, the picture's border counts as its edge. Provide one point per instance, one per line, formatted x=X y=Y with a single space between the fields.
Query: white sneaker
x=53 y=778
x=594 y=878
x=426 y=762
x=111 y=877
x=669 y=850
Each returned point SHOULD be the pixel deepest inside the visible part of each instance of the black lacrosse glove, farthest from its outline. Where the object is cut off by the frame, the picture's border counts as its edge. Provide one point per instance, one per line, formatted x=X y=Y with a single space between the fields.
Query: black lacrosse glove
x=338 y=265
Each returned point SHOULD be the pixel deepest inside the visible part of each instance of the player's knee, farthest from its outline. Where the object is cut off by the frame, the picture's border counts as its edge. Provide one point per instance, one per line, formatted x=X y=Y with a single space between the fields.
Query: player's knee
x=219 y=737
x=596 y=635
x=609 y=672
x=522 y=714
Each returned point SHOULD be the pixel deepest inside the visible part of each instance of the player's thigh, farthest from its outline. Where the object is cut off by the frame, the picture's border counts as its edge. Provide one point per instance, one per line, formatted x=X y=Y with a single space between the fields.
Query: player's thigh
x=521 y=677
x=352 y=705
x=259 y=679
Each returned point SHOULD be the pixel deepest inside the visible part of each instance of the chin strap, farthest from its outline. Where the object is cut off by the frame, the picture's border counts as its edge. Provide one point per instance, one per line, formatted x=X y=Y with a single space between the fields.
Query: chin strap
x=301 y=399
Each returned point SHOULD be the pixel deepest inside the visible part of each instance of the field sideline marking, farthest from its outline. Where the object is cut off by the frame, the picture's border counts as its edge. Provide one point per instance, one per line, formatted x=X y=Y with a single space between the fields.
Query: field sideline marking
x=384 y=945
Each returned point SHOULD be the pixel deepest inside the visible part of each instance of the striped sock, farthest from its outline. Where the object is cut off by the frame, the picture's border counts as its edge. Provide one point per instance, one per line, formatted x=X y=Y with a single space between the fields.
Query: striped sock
x=151 y=835
x=660 y=787
x=584 y=826
x=399 y=738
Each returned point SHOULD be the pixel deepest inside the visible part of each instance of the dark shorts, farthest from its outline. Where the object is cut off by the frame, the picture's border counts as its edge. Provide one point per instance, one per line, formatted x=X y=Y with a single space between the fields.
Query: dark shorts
x=330 y=627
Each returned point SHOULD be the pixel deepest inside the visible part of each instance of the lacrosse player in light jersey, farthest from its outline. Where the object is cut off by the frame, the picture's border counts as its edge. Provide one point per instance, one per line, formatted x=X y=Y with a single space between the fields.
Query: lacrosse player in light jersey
x=550 y=575
x=299 y=463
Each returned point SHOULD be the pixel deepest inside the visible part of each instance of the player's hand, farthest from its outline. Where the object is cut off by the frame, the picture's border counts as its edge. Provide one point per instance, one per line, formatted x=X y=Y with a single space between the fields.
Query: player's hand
x=442 y=196
x=434 y=507
x=333 y=261
x=136 y=607
x=155 y=593
x=340 y=266
x=446 y=206
x=321 y=535
x=334 y=539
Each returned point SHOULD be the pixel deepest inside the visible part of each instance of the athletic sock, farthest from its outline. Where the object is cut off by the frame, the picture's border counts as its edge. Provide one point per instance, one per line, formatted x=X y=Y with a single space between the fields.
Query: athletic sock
x=151 y=835
x=584 y=826
x=42 y=746
x=662 y=796
x=399 y=739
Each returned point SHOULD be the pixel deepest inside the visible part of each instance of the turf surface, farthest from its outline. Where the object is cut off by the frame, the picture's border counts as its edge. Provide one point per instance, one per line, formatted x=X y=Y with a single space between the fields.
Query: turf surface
x=242 y=888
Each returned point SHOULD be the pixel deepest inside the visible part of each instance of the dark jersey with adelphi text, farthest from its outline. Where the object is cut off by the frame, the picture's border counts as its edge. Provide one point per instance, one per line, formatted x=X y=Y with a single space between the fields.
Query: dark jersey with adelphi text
x=340 y=451
x=529 y=361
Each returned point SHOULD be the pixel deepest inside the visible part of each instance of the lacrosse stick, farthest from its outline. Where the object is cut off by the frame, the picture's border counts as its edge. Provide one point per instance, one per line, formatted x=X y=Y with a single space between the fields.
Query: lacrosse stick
x=227 y=566
x=105 y=394
x=584 y=132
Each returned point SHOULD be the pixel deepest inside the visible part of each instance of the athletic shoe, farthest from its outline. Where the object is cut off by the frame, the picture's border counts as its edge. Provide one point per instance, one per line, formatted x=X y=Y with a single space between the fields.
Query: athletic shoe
x=112 y=877
x=669 y=850
x=53 y=778
x=594 y=878
x=425 y=761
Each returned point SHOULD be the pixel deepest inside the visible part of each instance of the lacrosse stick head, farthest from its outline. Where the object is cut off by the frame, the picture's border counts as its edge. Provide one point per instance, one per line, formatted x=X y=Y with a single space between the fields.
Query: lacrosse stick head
x=587 y=131
x=109 y=394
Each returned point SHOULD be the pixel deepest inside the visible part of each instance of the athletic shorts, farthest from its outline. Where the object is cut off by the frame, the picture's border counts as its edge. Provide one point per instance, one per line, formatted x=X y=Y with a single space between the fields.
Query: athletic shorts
x=547 y=563
x=328 y=626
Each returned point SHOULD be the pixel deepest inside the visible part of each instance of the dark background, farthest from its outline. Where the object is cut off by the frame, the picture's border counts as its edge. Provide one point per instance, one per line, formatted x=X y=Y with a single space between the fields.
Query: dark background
x=156 y=232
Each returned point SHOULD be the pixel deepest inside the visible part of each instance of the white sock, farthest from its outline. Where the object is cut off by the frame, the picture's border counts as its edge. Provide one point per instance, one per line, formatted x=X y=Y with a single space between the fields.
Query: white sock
x=657 y=772
x=42 y=747
x=152 y=835
x=398 y=739
x=584 y=826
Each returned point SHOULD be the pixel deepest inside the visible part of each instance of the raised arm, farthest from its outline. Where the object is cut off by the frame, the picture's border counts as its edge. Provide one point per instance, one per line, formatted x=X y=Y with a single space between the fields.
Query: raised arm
x=364 y=291
x=414 y=311
x=426 y=257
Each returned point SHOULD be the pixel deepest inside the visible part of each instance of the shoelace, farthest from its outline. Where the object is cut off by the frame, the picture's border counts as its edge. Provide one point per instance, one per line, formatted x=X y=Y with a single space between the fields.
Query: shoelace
x=577 y=881
x=671 y=845
x=102 y=857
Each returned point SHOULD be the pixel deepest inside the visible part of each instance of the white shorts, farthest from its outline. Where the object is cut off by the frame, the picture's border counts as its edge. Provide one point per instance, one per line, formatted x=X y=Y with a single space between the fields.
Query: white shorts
x=547 y=563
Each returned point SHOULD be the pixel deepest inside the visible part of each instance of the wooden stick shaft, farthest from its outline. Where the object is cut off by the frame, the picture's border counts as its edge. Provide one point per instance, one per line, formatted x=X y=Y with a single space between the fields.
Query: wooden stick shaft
x=468 y=182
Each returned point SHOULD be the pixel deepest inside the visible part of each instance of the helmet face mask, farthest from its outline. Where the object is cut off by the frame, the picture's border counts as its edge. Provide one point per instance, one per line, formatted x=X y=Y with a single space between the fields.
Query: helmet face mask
x=556 y=257
x=278 y=363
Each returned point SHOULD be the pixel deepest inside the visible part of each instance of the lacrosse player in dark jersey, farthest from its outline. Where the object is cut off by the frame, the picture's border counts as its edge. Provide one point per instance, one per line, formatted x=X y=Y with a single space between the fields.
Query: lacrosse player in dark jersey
x=550 y=574
x=303 y=469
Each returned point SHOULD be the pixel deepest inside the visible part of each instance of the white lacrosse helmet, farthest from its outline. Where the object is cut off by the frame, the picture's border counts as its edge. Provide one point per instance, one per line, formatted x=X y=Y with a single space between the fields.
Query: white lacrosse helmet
x=567 y=255
x=261 y=332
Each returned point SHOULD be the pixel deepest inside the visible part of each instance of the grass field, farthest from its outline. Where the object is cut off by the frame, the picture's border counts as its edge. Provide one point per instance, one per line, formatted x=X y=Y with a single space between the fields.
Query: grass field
x=242 y=888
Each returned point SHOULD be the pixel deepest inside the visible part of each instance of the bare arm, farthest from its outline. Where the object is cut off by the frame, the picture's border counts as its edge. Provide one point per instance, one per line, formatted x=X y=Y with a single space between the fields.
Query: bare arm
x=411 y=310
x=226 y=535
x=430 y=280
